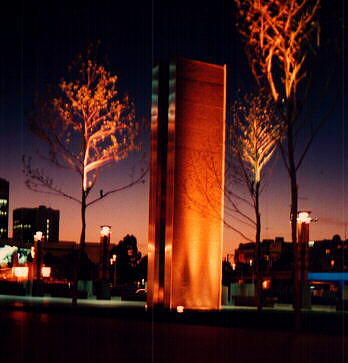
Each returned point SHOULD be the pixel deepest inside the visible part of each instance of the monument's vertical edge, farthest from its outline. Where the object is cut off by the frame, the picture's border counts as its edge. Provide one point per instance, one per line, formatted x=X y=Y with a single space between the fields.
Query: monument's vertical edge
x=222 y=196
x=152 y=286
x=170 y=190
x=157 y=203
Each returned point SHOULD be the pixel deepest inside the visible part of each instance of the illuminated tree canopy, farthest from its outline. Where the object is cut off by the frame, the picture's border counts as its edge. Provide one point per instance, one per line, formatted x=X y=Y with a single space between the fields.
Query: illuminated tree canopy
x=255 y=134
x=278 y=35
x=86 y=125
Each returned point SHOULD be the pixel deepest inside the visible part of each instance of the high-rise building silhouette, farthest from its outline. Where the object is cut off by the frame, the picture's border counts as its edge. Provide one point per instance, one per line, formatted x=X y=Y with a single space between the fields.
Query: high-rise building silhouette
x=27 y=221
x=4 y=203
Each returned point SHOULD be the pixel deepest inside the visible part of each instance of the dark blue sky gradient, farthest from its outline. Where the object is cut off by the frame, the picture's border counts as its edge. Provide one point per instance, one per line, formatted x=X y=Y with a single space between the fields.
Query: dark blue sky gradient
x=39 y=41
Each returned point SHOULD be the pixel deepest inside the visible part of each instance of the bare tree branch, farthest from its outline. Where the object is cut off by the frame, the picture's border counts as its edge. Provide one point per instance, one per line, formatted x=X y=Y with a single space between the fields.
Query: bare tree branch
x=140 y=179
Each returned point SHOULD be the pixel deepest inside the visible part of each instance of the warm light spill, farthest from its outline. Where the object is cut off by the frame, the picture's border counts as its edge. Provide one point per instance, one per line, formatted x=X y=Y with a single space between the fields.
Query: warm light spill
x=303 y=217
x=20 y=272
x=38 y=236
x=266 y=284
x=105 y=230
x=180 y=309
x=46 y=271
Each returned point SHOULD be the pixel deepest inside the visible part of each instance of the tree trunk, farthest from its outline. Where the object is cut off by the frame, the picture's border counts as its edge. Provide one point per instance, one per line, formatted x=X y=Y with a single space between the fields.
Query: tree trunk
x=81 y=247
x=258 y=248
x=294 y=210
x=83 y=222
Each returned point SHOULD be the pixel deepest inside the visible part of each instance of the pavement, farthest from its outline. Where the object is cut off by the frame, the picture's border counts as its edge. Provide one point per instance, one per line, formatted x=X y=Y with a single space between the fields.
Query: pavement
x=116 y=302
x=323 y=319
x=50 y=330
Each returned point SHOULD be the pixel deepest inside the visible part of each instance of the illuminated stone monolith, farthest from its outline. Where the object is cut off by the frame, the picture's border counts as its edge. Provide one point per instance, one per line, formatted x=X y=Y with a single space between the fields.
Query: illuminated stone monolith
x=186 y=197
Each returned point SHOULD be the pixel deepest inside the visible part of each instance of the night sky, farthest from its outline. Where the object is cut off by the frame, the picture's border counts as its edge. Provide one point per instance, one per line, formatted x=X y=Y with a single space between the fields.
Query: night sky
x=39 y=41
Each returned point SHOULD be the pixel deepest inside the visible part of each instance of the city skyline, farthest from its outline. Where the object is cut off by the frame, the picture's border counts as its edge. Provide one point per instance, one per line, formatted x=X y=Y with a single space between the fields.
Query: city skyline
x=27 y=69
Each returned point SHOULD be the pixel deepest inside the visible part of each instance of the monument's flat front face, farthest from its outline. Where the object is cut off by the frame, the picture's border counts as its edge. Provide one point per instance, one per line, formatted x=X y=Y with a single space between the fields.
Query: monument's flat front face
x=188 y=252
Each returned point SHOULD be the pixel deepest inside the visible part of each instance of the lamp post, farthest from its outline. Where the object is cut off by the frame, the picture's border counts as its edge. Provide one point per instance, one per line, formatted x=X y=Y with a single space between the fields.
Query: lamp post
x=105 y=233
x=113 y=262
x=303 y=221
x=104 y=292
x=38 y=259
x=114 y=258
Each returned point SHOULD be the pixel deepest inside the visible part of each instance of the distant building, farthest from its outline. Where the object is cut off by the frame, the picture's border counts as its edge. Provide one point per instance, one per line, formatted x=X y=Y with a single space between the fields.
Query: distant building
x=272 y=251
x=245 y=253
x=27 y=221
x=327 y=269
x=4 y=203
x=329 y=255
x=62 y=248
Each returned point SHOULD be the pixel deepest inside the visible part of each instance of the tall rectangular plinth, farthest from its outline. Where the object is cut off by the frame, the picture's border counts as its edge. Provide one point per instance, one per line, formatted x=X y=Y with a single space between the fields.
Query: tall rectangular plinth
x=186 y=195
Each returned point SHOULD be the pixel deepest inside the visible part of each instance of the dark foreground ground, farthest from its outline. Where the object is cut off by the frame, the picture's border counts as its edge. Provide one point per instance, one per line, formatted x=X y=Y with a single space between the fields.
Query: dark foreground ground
x=30 y=336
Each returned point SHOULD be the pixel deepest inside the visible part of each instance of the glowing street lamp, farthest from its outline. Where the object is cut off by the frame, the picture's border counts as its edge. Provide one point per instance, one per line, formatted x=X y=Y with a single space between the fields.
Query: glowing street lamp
x=103 y=288
x=20 y=272
x=105 y=233
x=252 y=272
x=46 y=271
x=303 y=221
x=32 y=252
x=38 y=236
x=36 y=253
x=113 y=262
x=266 y=284
x=303 y=217
x=35 y=250
x=180 y=309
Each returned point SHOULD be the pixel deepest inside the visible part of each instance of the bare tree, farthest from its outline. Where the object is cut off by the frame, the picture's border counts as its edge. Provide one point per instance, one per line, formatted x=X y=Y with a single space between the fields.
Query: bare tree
x=279 y=35
x=86 y=126
x=254 y=136
x=252 y=139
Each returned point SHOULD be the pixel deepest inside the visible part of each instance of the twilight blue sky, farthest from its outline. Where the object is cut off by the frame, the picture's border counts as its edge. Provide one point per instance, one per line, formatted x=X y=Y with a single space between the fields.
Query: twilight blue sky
x=39 y=41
